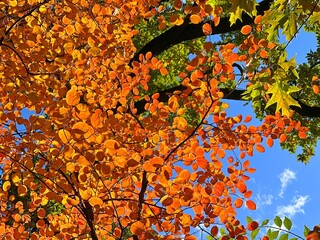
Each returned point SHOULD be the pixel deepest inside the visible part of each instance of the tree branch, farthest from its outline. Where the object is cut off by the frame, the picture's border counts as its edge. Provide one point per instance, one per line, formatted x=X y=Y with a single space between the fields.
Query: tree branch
x=187 y=31
x=236 y=94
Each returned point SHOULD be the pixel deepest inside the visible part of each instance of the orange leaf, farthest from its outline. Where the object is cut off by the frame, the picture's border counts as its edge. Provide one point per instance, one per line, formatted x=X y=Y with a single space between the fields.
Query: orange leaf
x=218 y=188
x=302 y=135
x=238 y=203
x=72 y=96
x=148 y=55
x=242 y=187
x=137 y=228
x=251 y=170
x=190 y=237
x=260 y=148
x=269 y=142
x=263 y=43
x=247 y=194
x=252 y=226
x=245 y=30
x=221 y=153
x=223 y=216
x=315 y=89
x=257 y=19
x=70 y=29
x=184 y=174
x=96 y=9
x=2 y=228
x=95 y=201
x=163 y=71
x=199 y=151
x=246 y=164
x=206 y=28
x=216 y=20
x=283 y=138
x=112 y=144
x=202 y=163
x=251 y=205
x=247 y=119
x=195 y=19
x=264 y=53
x=157 y=162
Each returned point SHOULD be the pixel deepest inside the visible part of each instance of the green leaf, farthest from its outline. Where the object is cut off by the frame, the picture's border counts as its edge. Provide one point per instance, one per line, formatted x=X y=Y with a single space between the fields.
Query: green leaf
x=281 y=96
x=222 y=231
x=213 y=3
x=289 y=65
x=254 y=233
x=249 y=219
x=273 y=235
x=287 y=223
x=265 y=222
x=284 y=236
x=277 y=221
x=240 y=6
x=306 y=231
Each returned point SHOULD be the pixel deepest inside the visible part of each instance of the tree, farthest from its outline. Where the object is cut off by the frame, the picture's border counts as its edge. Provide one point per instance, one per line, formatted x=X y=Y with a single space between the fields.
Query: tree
x=114 y=117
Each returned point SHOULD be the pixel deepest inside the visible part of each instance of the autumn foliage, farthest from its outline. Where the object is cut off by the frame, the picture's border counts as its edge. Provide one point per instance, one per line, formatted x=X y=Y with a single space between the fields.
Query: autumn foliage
x=89 y=150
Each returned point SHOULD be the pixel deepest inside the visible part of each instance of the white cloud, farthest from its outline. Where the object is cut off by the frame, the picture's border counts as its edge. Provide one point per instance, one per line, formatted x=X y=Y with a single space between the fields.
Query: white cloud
x=296 y=206
x=286 y=177
x=264 y=199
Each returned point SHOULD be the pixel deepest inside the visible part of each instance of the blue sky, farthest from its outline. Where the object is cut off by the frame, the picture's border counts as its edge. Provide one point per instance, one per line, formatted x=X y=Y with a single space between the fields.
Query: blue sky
x=281 y=185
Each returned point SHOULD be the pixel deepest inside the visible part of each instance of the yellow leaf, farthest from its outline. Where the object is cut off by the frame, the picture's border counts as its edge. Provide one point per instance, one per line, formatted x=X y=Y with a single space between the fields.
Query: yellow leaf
x=13 y=3
x=86 y=130
x=9 y=87
x=70 y=167
x=6 y=186
x=73 y=201
x=16 y=177
x=155 y=138
x=42 y=9
x=96 y=9
x=85 y=194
